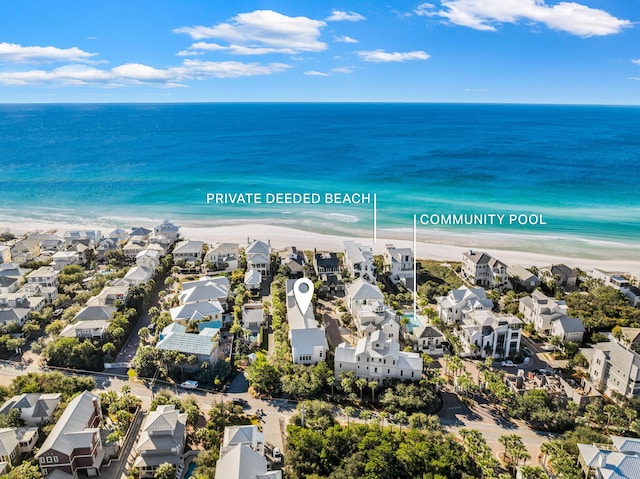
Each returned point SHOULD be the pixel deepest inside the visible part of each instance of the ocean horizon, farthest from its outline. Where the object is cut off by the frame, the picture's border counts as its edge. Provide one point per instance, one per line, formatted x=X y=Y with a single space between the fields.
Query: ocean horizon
x=565 y=169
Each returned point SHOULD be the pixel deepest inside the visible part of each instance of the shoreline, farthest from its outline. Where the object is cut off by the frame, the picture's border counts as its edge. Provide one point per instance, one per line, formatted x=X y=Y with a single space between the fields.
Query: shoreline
x=283 y=236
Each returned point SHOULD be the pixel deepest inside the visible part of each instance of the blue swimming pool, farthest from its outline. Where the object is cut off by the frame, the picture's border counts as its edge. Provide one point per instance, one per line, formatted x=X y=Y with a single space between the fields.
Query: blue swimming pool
x=414 y=322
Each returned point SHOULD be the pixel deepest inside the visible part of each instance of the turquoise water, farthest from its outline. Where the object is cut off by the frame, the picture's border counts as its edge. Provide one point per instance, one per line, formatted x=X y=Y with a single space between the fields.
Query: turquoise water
x=118 y=165
x=413 y=322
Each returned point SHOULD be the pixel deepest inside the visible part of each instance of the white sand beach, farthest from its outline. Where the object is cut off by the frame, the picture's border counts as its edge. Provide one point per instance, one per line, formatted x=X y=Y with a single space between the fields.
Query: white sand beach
x=280 y=237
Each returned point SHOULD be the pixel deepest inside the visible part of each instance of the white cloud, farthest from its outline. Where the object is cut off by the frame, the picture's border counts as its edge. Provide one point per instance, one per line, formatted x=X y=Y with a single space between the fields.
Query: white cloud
x=570 y=17
x=339 y=16
x=345 y=70
x=637 y=62
x=264 y=31
x=380 y=56
x=139 y=74
x=16 y=53
x=634 y=78
x=476 y=90
x=344 y=39
x=314 y=73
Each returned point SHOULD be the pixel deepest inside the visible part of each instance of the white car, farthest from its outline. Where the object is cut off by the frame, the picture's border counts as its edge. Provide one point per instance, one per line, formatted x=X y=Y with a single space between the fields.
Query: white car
x=277 y=455
x=508 y=364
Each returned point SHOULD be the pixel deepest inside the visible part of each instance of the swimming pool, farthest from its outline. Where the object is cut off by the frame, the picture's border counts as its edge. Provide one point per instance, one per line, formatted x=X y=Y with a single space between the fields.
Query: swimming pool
x=414 y=322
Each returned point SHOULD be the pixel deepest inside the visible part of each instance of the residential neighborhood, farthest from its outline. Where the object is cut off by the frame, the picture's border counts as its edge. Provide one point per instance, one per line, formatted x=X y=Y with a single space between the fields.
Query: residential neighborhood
x=346 y=330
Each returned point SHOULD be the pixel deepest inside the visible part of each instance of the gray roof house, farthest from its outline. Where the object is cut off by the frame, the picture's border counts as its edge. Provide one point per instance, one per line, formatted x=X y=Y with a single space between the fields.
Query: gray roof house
x=35 y=408
x=162 y=439
x=74 y=443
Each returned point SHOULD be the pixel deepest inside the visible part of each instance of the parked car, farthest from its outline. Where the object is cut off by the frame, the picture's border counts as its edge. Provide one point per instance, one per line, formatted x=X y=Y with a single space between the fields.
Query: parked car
x=508 y=364
x=526 y=352
x=189 y=385
x=277 y=455
x=240 y=402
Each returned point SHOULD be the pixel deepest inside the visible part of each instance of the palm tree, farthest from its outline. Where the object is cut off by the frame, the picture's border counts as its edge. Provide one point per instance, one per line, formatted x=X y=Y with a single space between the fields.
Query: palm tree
x=361 y=383
x=348 y=411
x=373 y=385
x=365 y=416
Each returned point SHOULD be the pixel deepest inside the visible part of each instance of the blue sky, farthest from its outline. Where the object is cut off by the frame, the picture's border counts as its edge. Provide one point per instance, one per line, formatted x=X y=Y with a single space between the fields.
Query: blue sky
x=521 y=51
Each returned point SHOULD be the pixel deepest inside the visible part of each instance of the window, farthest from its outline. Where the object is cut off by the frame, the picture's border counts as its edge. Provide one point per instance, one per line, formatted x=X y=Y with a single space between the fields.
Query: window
x=56 y=459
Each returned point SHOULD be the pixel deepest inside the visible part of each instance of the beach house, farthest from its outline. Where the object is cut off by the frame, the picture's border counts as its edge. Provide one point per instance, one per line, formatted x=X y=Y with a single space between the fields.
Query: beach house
x=454 y=307
x=223 y=256
x=375 y=357
x=561 y=273
x=365 y=302
x=162 y=439
x=614 y=368
x=620 y=460
x=328 y=269
x=518 y=275
x=168 y=230
x=74 y=444
x=307 y=338
x=358 y=261
x=541 y=311
x=482 y=269
x=483 y=333
x=398 y=262
x=258 y=255
x=35 y=409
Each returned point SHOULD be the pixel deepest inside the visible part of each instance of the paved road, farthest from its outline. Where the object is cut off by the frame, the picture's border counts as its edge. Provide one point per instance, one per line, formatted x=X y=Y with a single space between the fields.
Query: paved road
x=455 y=415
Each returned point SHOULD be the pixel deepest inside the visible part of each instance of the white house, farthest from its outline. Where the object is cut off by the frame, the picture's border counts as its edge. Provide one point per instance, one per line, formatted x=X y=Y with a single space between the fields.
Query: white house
x=482 y=269
x=258 y=255
x=223 y=256
x=44 y=276
x=307 y=338
x=454 y=307
x=358 y=260
x=90 y=322
x=484 y=333
x=619 y=282
x=614 y=368
x=621 y=460
x=188 y=251
x=520 y=275
x=205 y=289
x=61 y=259
x=542 y=310
x=365 y=302
x=568 y=329
x=149 y=258
x=162 y=439
x=133 y=247
x=398 y=262
x=242 y=462
x=35 y=408
x=252 y=316
x=197 y=311
x=138 y=275
x=428 y=339
x=167 y=229
x=376 y=358
x=253 y=280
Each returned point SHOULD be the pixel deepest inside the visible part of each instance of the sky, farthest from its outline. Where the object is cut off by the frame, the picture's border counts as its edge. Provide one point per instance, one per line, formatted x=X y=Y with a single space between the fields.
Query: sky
x=504 y=51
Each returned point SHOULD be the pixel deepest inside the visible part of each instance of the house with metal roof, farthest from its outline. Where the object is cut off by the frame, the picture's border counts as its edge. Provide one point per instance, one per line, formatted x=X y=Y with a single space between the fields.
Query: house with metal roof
x=620 y=460
x=35 y=408
x=242 y=462
x=74 y=443
x=376 y=358
x=15 y=441
x=162 y=439
x=455 y=306
x=204 y=346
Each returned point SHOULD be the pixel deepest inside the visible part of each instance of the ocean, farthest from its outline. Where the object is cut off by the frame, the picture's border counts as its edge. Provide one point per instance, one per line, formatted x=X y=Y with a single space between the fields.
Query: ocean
x=569 y=170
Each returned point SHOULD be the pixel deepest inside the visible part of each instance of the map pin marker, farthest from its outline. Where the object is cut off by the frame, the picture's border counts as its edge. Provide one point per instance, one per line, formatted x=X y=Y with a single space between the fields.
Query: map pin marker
x=303 y=292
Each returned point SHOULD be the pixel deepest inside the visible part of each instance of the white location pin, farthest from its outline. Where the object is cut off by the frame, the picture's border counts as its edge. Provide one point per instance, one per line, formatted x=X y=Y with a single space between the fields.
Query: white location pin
x=303 y=292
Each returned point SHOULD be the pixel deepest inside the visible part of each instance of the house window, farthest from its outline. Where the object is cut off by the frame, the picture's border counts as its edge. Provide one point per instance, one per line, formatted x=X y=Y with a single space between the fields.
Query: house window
x=376 y=370
x=45 y=471
x=320 y=353
x=56 y=459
